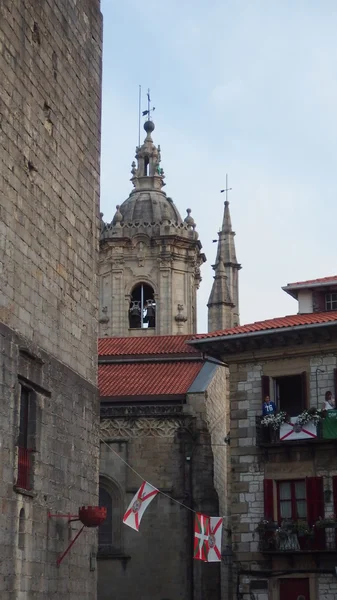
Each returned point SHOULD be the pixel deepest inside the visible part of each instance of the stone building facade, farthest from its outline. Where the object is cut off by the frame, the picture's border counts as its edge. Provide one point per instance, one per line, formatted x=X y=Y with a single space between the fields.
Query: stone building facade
x=162 y=410
x=50 y=56
x=283 y=482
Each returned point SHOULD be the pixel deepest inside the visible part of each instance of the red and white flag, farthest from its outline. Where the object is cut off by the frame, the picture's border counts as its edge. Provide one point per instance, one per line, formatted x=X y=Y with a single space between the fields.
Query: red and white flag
x=201 y=533
x=214 y=539
x=139 y=504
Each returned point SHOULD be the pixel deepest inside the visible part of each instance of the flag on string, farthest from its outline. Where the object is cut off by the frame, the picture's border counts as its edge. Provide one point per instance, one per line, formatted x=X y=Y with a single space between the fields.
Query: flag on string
x=201 y=532
x=139 y=504
x=214 y=539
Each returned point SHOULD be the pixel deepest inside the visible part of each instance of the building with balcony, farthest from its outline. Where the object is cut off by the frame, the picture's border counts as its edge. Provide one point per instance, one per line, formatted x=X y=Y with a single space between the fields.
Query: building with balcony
x=282 y=493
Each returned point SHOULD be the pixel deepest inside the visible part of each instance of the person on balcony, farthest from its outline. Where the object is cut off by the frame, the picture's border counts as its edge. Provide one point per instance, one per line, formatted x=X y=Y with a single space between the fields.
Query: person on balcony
x=329 y=402
x=268 y=407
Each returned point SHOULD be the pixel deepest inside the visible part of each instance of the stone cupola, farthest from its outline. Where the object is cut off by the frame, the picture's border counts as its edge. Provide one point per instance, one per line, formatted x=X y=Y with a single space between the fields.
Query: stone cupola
x=150 y=257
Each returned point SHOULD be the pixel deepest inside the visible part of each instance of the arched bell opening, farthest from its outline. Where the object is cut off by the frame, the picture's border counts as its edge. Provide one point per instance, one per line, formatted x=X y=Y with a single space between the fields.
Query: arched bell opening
x=142 y=311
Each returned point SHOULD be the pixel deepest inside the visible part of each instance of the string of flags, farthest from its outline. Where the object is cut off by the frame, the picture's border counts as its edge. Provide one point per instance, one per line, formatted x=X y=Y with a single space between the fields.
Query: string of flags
x=207 y=530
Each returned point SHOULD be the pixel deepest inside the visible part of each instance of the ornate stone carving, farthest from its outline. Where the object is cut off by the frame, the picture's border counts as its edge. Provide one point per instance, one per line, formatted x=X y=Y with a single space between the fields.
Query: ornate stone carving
x=145 y=411
x=140 y=427
x=143 y=421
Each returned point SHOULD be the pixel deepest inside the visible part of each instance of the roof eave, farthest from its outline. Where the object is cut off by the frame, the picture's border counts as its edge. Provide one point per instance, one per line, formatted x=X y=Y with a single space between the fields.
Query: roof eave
x=275 y=330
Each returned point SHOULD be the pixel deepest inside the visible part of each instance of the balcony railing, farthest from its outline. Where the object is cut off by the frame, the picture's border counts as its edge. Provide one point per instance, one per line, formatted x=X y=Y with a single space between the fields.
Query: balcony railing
x=280 y=540
x=291 y=433
x=24 y=469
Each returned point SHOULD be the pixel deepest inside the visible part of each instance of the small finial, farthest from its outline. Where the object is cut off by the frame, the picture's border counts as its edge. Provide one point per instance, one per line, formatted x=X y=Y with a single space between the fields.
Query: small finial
x=189 y=220
x=118 y=216
x=133 y=168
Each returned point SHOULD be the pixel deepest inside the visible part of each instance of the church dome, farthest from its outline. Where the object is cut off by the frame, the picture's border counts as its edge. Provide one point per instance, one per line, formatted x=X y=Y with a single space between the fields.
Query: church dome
x=149 y=206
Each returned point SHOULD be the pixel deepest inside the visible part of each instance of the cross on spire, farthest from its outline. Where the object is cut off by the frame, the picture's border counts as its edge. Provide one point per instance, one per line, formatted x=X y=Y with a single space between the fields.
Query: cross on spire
x=149 y=109
x=227 y=189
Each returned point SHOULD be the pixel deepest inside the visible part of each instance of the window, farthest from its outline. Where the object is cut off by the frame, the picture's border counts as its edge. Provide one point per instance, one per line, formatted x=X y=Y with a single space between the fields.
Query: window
x=292 y=503
x=146 y=166
x=21 y=536
x=25 y=440
x=105 y=530
x=331 y=301
x=290 y=393
x=109 y=533
x=142 y=312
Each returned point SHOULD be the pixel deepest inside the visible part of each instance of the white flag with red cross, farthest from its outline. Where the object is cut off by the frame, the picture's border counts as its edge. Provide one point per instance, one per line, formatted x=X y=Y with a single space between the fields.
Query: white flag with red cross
x=139 y=504
x=214 y=539
x=201 y=533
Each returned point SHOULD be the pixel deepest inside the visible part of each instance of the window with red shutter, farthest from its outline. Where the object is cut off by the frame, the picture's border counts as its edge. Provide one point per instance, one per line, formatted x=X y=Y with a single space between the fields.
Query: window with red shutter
x=268 y=495
x=315 y=507
x=292 y=502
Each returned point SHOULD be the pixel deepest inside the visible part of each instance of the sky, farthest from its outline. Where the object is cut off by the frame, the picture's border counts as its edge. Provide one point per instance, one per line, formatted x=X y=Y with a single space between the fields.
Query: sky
x=244 y=87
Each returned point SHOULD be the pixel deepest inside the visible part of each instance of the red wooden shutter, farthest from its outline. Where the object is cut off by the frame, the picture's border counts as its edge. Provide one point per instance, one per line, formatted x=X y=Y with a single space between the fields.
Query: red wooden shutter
x=315 y=507
x=335 y=381
x=265 y=385
x=334 y=489
x=315 y=499
x=268 y=495
x=304 y=389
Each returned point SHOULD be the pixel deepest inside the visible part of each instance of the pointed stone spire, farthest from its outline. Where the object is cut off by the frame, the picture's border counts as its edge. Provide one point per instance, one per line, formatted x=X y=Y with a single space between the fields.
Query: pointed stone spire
x=223 y=303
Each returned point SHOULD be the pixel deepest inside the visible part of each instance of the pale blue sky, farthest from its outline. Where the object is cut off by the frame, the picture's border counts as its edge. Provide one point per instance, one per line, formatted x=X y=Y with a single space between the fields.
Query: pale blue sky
x=247 y=87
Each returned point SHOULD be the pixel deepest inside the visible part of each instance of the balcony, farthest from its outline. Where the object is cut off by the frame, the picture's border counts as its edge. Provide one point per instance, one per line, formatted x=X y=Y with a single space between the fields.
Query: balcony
x=293 y=434
x=293 y=539
x=24 y=469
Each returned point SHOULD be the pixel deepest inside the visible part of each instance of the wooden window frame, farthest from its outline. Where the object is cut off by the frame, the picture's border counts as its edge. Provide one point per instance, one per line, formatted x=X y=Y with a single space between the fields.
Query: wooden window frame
x=293 y=499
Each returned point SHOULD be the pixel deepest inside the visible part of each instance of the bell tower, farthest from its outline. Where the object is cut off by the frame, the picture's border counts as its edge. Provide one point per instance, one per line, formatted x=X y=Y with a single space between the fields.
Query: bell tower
x=150 y=257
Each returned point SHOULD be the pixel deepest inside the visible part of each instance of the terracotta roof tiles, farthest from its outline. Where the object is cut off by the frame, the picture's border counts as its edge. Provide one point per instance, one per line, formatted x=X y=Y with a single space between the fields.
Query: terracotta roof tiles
x=322 y=280
x=270 y=324
x=147 y=379
x=135 y=346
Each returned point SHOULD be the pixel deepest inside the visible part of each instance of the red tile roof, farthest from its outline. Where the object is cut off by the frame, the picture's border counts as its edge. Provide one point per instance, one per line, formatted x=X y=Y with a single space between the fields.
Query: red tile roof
x=270 y=324
x=147 y=379
x=135 y=346
x=322 y=280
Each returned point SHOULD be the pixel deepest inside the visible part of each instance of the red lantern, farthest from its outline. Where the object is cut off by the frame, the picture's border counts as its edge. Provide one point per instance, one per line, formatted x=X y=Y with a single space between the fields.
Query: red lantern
x=92 y=516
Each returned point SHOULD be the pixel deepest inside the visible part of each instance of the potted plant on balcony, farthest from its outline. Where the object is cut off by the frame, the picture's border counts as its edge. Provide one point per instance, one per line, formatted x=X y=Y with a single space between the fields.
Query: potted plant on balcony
x=328 y=522
x=266 y=530
x=311 y=415
x=305 y=534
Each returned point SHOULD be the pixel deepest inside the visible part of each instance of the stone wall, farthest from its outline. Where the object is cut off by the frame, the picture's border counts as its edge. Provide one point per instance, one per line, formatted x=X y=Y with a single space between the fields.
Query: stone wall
x=50 y=71
x=250 y=465
x=63 y=477
x=173 y=452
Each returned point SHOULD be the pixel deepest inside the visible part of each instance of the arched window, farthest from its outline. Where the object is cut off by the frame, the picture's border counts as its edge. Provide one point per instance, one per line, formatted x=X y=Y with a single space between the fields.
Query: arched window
x=21 y=536
x=146 y=165
x=142 y=313
x=109 y=533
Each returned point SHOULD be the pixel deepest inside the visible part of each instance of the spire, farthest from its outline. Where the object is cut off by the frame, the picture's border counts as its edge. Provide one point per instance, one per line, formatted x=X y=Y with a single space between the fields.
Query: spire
x=223 y=303
x=147 y=173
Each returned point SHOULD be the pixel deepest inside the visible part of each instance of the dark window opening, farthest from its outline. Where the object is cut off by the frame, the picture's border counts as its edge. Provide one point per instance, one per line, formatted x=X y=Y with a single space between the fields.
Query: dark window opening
x=21 y=536
x=290 y=393
x=105 y=530
x=292 y=500
x=331 y=301
x=109 y=532
x=146 y=165
x=25 y=439
x=142 y=312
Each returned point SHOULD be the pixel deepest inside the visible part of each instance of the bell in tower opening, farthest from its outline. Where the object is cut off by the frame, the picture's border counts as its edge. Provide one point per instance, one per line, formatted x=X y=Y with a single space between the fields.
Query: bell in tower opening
x=142 y=312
